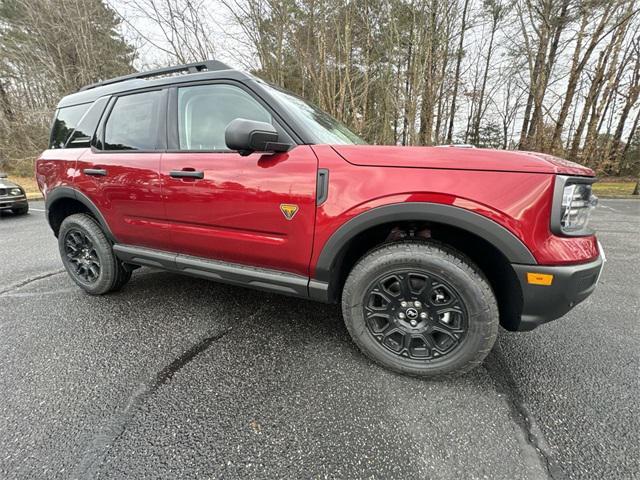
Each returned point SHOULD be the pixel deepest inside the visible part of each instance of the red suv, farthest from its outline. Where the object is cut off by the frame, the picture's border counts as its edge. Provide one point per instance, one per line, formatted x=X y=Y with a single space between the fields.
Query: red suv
x=204 y=170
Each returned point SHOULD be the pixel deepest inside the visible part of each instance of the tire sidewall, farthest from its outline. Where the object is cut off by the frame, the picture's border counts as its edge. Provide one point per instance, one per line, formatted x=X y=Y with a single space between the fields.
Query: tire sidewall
x=473 y=296
x=102 y=247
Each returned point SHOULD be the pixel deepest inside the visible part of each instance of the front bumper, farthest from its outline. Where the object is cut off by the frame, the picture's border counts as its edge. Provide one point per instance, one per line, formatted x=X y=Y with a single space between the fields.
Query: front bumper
x=571 y=284
x=8 y=202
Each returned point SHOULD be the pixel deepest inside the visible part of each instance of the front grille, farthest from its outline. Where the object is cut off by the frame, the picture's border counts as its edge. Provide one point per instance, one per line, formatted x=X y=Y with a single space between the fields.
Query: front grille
x=3 y=191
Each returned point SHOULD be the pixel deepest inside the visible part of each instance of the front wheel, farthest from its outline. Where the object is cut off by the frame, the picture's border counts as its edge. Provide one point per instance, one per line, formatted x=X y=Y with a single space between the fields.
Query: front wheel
x=420 y=308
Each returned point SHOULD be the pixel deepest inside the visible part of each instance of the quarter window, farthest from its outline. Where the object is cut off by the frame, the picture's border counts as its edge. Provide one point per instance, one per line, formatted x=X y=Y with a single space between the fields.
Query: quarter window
x=66 y=120
x=133 y=122
x=81 y=137
x=204 y=111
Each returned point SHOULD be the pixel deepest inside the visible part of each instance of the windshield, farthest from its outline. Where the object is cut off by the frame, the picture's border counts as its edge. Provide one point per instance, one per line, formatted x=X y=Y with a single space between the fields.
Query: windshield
x=324 y=128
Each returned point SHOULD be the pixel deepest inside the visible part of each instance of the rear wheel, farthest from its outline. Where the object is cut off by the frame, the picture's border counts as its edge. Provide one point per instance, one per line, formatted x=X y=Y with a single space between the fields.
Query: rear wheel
x=420 y=308
x=88 y=256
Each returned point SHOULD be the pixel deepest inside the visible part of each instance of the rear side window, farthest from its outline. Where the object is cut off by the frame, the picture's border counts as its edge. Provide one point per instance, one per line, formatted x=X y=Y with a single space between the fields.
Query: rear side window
x=66 y=120
x=133 y=122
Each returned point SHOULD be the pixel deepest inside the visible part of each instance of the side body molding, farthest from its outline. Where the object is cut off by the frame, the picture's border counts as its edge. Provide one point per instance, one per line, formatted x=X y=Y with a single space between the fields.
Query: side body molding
x=60 y=193
x=511 y=246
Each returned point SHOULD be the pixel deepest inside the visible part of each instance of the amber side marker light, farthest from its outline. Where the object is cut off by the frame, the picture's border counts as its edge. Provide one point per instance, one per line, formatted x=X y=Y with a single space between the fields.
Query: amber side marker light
x=539 y=278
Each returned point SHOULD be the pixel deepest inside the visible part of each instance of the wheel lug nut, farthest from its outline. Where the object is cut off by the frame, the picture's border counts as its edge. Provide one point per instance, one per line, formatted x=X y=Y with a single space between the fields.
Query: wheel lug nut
x=413 y=323
x=417 y=304
x=403 y=304
x=423 y=315
x=401 y=315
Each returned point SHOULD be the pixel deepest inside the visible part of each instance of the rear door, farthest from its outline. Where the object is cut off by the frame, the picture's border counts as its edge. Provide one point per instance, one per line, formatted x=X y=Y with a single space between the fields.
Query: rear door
x=257 y=210
x=120 y=173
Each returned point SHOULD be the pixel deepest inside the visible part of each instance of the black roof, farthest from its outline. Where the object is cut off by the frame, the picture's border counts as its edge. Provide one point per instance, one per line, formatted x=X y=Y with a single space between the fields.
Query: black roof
x=208 y=70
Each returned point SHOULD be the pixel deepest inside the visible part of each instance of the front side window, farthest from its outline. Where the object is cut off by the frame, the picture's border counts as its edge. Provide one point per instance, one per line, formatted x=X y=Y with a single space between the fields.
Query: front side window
x=133 y=122
x=204 y=111
x=324 y=128
x=67 y=119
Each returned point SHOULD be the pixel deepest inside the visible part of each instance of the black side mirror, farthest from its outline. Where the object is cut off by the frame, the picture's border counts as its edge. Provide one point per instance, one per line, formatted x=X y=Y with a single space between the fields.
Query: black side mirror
x=248 y=136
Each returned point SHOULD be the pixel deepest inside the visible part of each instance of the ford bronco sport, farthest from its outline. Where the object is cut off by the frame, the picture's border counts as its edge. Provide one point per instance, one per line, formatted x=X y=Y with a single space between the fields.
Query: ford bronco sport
x=207 y=171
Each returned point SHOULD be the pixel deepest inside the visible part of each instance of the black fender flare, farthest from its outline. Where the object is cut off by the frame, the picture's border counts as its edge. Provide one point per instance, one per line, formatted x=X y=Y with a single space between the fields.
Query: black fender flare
x=506 y=242
x=60 y=193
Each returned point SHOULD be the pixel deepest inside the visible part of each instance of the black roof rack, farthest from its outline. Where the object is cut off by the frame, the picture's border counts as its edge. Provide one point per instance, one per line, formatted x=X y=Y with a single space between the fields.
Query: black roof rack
x=208 y=65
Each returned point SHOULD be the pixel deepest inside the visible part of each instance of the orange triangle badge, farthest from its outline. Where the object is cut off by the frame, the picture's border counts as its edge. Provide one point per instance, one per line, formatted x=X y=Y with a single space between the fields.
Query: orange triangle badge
x=288 y=210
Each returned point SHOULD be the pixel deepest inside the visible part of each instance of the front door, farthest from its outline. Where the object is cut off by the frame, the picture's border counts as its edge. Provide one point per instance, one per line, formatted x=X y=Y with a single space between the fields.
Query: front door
x=256 y=210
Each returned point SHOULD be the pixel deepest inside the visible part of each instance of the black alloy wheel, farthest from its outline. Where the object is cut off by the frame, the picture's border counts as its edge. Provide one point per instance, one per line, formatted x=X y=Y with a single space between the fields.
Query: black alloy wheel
x=420 y=308
x=414 y=314
x=82 y=255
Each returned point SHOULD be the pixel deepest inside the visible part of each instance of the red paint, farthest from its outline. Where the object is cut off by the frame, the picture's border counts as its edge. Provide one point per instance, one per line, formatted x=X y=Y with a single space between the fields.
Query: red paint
x=129 y=196
x=458 y=159
x=56 y=168
x=233 y=214
x=519 y=201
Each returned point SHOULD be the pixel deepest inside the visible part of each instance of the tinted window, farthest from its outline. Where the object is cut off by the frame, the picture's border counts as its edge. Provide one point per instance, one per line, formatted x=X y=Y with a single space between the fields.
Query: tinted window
x=133 y=122
x=66 y=120
x=204 y=111
x=81 y=137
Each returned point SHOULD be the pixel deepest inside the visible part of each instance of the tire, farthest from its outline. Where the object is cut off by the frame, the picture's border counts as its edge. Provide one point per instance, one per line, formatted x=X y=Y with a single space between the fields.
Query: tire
x=88 y=257
x=123 y=278
x=450 y=313
x=22 y=210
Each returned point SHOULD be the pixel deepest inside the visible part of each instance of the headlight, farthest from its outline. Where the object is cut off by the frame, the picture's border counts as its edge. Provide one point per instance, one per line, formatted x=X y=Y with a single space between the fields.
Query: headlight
x=15 y=191
x=572 y=207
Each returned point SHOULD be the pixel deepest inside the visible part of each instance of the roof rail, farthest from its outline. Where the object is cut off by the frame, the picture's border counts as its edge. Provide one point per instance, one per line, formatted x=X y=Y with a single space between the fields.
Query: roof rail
x=458 y=145
x=208 y=65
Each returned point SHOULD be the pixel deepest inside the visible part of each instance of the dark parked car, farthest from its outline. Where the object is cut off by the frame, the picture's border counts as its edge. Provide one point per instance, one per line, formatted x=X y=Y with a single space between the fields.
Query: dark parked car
x=12 y=197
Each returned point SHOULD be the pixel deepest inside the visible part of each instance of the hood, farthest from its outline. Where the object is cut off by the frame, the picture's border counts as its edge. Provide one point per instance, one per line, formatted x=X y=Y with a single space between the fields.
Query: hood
x=458 y=158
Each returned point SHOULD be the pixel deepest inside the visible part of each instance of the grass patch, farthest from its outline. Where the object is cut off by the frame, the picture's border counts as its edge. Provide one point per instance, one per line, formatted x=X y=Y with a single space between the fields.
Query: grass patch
x=614 y=189
x=28 y=183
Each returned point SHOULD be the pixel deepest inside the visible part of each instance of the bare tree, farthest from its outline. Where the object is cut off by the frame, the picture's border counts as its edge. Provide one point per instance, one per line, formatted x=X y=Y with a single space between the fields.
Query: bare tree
x=184 y=27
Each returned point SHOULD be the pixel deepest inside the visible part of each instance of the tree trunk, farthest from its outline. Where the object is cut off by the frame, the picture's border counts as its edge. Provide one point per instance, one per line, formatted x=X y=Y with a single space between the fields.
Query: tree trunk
x=535 y=136
x=592 y=96
x=456 y=78
x=632 y=98
x=608 y=82
x=577 y=67
x=5 y=104
x=475 y=136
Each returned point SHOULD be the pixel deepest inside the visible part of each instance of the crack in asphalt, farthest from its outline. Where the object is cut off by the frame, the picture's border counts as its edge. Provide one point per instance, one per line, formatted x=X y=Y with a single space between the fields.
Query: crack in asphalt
x=497 y=367
x=23 y=283
x=116 y=427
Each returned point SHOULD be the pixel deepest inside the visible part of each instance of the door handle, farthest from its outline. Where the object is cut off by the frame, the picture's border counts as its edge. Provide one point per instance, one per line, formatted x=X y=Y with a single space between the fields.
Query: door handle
x=95 y=172
x=186 y=174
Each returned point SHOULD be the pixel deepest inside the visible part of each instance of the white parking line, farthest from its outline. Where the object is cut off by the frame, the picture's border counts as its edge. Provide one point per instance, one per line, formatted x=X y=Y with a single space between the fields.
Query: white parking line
x=36 y=210
x=608 y=208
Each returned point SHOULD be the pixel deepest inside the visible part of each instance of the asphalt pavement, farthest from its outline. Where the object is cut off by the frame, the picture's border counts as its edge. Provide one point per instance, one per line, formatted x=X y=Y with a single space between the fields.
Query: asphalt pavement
x=175 y=377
